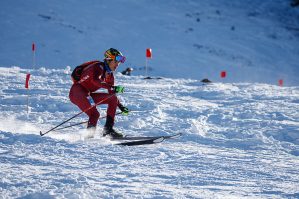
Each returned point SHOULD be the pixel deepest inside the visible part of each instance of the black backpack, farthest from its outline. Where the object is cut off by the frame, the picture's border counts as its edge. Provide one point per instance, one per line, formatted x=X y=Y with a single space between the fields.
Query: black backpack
x=77 y=72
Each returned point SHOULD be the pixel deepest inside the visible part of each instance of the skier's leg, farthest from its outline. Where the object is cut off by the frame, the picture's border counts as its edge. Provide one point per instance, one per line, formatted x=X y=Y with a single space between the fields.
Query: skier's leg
x=79 y=96
x=109 y=99
x=112 y=102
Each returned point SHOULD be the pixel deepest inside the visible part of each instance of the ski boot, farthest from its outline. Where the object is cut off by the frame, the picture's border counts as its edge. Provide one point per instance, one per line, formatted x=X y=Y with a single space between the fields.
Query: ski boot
x=108 y=129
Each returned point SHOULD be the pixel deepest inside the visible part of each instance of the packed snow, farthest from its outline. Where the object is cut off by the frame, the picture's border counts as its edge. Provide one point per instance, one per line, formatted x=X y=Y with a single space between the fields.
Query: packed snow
x=239 y=140
x=240 y=134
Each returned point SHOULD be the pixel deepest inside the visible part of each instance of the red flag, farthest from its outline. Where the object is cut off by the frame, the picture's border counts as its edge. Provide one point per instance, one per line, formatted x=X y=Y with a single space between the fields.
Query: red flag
x=149 y=53
x=223 y=74
x=280 y=82
x=33 y=47
x=27 y=80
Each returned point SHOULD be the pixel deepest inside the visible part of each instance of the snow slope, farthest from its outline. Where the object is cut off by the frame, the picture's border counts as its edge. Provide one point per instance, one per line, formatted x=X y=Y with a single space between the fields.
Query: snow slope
x=239 y=141
x=253 y=40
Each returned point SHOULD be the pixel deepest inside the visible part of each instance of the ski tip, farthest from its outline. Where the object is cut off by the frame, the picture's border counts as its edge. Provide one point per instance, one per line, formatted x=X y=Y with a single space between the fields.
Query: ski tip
x=41 y=134
x=161 y=139
x=174 y=136
x=178 y=135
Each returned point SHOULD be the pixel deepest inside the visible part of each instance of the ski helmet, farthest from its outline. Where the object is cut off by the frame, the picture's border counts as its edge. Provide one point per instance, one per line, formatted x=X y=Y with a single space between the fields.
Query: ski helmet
x=111 y=53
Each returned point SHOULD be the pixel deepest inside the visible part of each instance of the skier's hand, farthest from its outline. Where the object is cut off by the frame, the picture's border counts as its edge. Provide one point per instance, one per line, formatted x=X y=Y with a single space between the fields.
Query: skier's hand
x=118 y=89
x=124 y=110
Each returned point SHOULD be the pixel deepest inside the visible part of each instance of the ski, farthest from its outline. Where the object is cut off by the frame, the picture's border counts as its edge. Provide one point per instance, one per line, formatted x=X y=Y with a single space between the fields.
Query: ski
x=142 y=142
x=148 y=137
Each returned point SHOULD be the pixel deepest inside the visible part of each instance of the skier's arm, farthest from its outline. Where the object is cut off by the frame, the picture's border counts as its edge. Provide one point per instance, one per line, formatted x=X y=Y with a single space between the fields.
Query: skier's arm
x=101 y=84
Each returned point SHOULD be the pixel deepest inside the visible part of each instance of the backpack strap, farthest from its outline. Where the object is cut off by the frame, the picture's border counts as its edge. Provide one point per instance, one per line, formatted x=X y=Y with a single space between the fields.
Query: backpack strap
x=76 y=74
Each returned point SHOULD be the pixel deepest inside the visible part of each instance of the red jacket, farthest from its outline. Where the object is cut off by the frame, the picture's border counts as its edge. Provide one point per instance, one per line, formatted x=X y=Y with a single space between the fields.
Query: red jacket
x=94 y=77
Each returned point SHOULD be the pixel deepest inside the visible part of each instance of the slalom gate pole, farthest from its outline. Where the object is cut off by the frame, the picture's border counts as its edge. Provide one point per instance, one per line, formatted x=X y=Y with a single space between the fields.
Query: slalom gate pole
x=27 y=103
x=82 y=123
x=28 y=77
x=42 y=134
x=27 y=88
x=146 y=67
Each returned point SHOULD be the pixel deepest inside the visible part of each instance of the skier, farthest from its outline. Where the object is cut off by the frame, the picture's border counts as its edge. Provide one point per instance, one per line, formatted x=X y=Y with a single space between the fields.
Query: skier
x=128 y=71
x=91 y=76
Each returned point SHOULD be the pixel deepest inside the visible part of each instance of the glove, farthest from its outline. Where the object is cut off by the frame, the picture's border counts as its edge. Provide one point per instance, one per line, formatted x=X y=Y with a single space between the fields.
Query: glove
x=118 y=89
x=124 y=110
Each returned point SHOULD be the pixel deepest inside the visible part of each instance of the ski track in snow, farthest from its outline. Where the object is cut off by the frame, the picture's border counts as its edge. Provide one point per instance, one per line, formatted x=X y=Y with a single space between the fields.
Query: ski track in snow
x=239 y=140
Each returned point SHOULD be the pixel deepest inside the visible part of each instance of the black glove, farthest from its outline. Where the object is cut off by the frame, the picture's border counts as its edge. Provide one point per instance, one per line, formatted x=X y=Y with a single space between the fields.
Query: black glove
x=124 y=110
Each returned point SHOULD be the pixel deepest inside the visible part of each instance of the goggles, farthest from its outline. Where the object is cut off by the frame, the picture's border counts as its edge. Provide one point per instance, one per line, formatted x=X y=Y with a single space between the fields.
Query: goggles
x=120 y=58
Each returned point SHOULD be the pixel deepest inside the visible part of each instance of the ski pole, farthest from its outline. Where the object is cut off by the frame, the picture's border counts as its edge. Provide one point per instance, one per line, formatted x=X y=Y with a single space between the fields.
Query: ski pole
x=139 y=111
x=42 y=134
x=71 y=125
x=82 y=123
x=76 y=124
